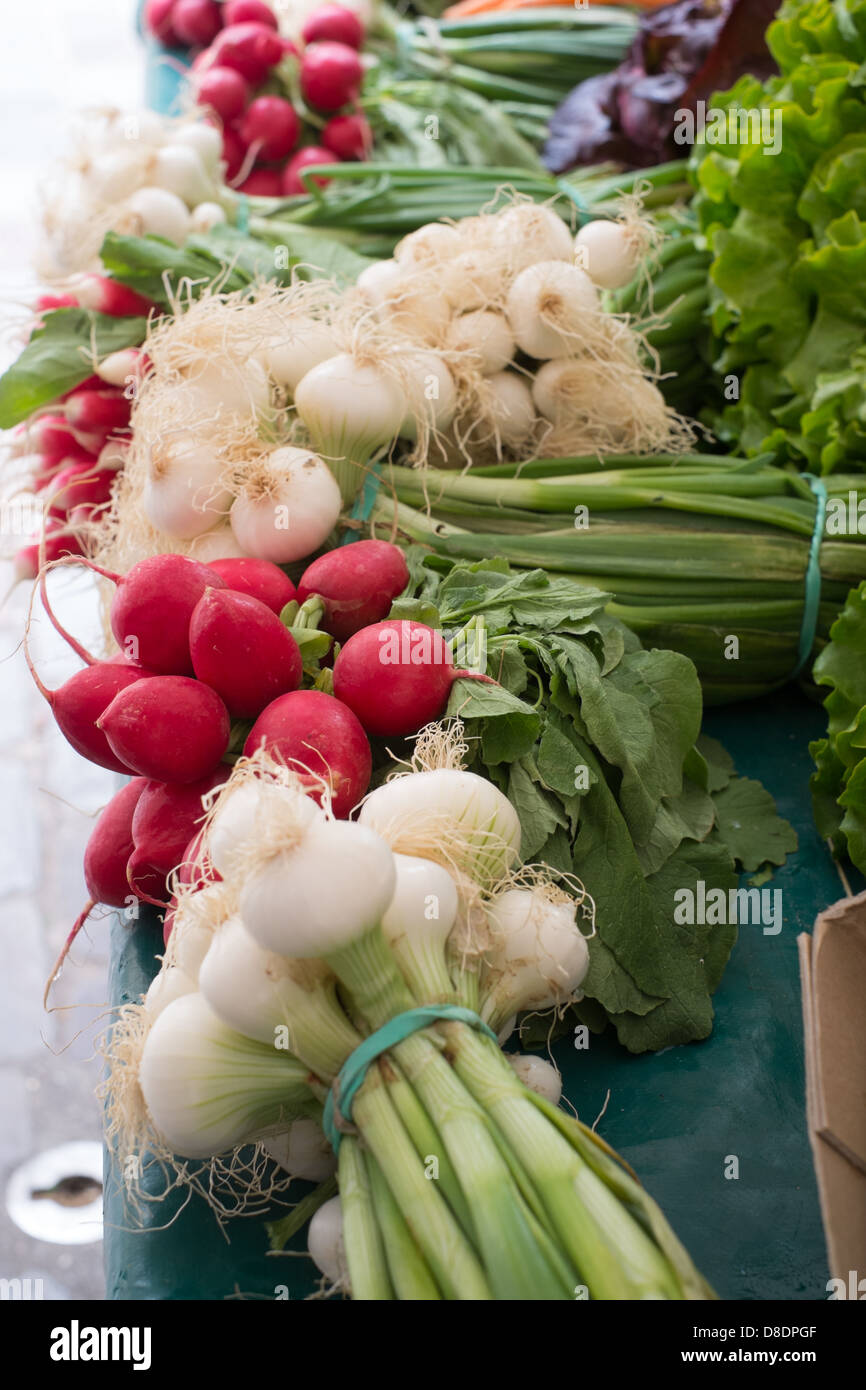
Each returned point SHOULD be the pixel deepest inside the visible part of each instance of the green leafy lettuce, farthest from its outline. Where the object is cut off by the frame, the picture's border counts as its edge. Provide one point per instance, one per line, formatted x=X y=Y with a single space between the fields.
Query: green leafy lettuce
x=839 y=782
x=788 y=236
x=597 y=744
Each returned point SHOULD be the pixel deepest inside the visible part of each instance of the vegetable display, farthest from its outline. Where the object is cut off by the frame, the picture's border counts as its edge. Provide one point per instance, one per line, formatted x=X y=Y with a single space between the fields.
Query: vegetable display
x=431 y=497
x=529 y=1203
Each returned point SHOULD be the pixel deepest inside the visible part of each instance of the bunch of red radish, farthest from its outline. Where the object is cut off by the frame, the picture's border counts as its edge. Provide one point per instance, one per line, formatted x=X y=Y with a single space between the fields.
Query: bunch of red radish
x=77 y=448
x=204 y=646
x=238 y=74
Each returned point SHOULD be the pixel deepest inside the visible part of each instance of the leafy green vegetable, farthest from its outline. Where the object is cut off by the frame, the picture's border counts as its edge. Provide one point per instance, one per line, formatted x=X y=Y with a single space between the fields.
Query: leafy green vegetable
x=788 y=236
x=156 y=268
x=60 y=356
x=597 y=744
x=839 y=783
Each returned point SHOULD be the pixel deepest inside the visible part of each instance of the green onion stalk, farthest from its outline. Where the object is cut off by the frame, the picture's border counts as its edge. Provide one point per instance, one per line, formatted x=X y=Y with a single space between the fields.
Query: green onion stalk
x=373 y=205
x=531 y=59
x=456 y=1181
x=694 y=549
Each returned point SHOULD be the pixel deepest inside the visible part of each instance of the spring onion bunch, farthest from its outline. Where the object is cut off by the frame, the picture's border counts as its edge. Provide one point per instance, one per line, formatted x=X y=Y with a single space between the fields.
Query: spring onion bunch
x=323 y=931
x=524 y=62
x=695 y=549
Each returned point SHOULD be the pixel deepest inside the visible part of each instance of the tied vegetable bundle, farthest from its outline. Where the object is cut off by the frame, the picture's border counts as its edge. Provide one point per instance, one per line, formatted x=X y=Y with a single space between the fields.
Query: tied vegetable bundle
x=696 y=550
x=279 y=968
x=229 y=657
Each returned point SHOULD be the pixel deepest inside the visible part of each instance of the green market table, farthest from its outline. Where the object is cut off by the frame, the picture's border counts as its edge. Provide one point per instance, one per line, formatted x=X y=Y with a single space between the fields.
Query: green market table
x=680 y=1117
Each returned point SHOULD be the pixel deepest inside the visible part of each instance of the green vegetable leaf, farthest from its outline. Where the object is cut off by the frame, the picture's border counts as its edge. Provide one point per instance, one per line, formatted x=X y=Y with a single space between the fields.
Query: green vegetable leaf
x=58 y=358
x=750 y=826
x=508 y=727
x=538 y=812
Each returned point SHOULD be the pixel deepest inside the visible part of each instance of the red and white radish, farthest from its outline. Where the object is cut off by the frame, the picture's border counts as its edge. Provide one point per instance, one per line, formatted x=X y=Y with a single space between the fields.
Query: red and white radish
x=166 y=820
x=152 y=607
x=270 y=127
x=335 y=23
x=348 y=137
x=169 y=728
x=158 y=18
x=224 y=90
x=396 y=676
x=251 y=49
x=241 y=650
x=248 y=12
x=307 y=158
x=331 y=75
x=196 y=22
x=262 y=183
x=259 y=578
x=357 y=584
x=82 y=699
x=105 y=859
x=320 y=738
x=107 y=296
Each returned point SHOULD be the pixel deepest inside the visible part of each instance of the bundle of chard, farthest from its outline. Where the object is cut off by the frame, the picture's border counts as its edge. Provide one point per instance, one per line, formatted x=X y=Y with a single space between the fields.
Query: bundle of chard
x=342 y=983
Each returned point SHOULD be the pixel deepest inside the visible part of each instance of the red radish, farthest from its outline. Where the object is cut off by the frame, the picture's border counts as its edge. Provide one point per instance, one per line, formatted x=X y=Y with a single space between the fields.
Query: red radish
x=158 y=18
x=234 y=153
x=81 y=700
x=108 y=849
x=58 y=544
x=270 y=126
x=225 y=91
x=396 y=676
x=242 y=651
x=292 y=181
x=56 y=301
x=260 y=578
x=348 y=137
x=249 y=12
x=90 y=383
x=106 y=296
x=334 y=22
x=196 y=22
x=120 y=368
x=52 y=437
x=357 y=583
x=169 y=728
x=148 y=884
x=262 y=183
x=95 y=412
x=193 y=871
x=166 y=819
x=316 y=735
x=48 y=471
x=81 y=484
x=152 y=606
x=331 y=75
x=251 y=49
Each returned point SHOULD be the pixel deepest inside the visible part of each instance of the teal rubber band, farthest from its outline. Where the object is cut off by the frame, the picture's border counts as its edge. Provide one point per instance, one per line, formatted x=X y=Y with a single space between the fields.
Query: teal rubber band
x=243 y=222
x=365 y=500
x=354 y=1069
x=573 y=196
x=811 y=607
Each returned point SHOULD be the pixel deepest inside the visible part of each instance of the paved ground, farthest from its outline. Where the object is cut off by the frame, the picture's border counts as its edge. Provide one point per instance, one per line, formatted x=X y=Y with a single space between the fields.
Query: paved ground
x=56 y=56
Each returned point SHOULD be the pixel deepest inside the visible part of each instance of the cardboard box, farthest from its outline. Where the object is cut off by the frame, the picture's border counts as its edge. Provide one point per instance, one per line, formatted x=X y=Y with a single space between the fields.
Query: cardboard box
x=833 y=978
